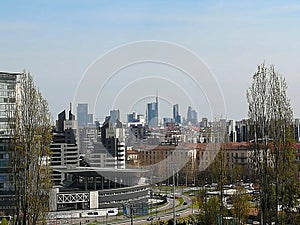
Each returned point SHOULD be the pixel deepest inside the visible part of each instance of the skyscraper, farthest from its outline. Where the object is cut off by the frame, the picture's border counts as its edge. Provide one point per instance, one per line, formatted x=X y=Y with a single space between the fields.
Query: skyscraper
x=152 y=113
x=90 y=118
x=176 y=116
x=64 y=146
x=114 y=115
x=192 y=117
x=82 y=114
x=132 y=117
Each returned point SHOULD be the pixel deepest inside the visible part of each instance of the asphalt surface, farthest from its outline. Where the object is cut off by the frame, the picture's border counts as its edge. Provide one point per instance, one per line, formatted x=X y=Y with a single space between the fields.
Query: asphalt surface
x=162 y=213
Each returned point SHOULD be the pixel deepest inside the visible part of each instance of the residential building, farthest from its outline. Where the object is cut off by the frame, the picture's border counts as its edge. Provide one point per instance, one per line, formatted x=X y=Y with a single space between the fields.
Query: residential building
x=132 y=157
x=8 y=89
x=162 y=157
x=172 y=132
x=88 y=136
x=136 y=134
x=204 y=122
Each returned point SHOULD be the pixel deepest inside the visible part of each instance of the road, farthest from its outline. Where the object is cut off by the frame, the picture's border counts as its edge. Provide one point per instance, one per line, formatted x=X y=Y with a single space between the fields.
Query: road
x=164 y=213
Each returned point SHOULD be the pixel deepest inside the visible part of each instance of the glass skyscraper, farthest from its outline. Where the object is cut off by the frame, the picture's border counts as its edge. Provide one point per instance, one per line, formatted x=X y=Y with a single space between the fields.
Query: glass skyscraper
x=82 y=114
x=152 y=113
x=176 y=116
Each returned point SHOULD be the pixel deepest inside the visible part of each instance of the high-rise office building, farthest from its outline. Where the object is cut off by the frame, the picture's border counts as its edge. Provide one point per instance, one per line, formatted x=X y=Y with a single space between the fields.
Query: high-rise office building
x=82 y=114
x=152 y=113
x=113 y=139
x=231 y=131
x=132 y=117
x=176 y=116
x=64 y=147
x=114 y=116
x=8 y=84
x=192 y=117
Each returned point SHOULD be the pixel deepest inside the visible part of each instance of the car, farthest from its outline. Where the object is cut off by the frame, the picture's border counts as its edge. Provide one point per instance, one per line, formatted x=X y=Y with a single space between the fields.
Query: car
x=177 y=214
x=185 y=203
x=150 y=218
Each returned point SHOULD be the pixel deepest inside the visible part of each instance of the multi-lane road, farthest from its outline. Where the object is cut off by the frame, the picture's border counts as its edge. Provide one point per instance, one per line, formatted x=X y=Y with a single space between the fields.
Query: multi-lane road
x=162 y=213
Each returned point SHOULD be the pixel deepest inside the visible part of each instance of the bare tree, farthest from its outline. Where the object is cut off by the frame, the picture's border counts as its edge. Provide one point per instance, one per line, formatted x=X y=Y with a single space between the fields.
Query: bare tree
x=31 y=151
x=270 y=118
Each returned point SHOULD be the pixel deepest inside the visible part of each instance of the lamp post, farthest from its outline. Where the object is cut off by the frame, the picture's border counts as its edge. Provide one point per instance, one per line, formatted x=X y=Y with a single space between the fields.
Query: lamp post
x=174 y=212
x=131 y=214
x=151 y=198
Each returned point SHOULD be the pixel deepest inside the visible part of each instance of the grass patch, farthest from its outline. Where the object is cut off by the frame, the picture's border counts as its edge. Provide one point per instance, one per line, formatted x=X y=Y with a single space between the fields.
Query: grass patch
x=181 y=201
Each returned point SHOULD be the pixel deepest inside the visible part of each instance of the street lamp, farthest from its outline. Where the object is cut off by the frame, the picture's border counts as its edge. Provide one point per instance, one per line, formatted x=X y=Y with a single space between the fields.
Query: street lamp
x=174 y=212
x=126 y=208
x=131 y=213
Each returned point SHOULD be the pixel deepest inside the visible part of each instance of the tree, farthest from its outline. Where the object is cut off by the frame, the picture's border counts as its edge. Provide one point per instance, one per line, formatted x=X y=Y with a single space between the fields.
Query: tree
x=270 y=119
x=212 y=210
x=31 y=151
x=220 y=172
x=241 y=205
x=4 y=221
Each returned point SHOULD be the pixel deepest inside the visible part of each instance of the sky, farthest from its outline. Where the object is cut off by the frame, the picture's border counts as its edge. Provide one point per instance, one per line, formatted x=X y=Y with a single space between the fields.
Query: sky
x=61 y=41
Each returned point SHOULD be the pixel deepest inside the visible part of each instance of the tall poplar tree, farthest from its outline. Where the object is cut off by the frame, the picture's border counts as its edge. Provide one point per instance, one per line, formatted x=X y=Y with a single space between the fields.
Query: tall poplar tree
x=31 y=151
x=271 y=128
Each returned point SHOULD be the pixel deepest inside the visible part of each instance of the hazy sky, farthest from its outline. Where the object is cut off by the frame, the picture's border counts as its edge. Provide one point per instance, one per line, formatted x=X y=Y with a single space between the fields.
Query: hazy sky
x=58 y=41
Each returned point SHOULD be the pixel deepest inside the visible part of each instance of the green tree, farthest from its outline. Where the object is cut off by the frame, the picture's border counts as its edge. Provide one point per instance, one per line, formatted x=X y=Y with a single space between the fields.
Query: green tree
x=237 y=173
x=31 y=153
x=4 y=222
x=241 y=205
x=209 y=209
x=270 y=119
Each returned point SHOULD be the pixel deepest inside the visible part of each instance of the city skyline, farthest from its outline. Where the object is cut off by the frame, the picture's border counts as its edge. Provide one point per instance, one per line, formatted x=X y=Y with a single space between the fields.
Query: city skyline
x=58 y=41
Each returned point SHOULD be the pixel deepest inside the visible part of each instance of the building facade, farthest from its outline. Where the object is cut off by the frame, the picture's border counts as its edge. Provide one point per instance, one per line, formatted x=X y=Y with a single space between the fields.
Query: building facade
x=176 y=116
x=162 y=157
x=82 y=114
x=152 y=114
x=8 y=88
x=114 y=115
x=64 y=148
x=192 y=116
